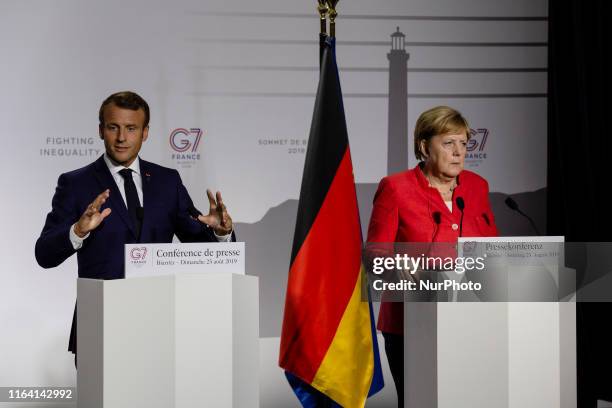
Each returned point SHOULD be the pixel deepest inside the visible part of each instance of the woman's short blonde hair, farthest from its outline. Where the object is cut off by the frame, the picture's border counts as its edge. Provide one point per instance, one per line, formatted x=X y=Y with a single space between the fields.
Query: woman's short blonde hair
x=441 y=120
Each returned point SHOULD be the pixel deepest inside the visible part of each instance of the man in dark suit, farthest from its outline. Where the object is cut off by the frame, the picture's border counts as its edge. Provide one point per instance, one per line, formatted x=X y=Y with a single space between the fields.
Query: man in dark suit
x=120 y=199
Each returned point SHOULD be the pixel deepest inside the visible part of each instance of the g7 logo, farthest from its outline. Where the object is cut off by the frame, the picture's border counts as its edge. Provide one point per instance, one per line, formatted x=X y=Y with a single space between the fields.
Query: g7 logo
x=469 y=247
x=138 y=254
x=182 y=140
x=474 y=142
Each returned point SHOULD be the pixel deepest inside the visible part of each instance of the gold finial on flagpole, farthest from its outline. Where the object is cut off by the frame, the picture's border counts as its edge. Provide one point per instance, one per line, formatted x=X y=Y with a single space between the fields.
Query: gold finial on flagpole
x=322 y=9
x=331 y=4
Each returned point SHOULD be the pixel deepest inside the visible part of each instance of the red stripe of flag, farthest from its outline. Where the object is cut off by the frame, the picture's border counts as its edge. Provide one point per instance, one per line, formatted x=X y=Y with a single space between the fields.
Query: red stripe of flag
x=322 y=277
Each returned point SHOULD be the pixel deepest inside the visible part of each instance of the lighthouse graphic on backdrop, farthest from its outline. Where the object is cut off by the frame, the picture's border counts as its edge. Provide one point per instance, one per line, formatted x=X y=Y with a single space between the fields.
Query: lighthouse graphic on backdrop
x=397 y=140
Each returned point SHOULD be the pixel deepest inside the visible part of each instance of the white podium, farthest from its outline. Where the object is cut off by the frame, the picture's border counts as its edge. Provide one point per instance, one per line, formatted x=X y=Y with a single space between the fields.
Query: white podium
x=490 y=354
x=188 y=340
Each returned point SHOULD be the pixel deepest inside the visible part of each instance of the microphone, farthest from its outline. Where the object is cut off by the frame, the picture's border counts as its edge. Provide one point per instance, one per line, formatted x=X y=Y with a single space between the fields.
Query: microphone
x=139 y=218
x=437 y=218
x=486 y=218
x=461 y=206
x=194 y=212
x=514 y=207
x=140 y=213
x=460 y=203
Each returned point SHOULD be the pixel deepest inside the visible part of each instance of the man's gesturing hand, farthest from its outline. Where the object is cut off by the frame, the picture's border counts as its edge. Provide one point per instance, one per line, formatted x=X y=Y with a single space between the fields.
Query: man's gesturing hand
x=217 y=217
x=92 y=217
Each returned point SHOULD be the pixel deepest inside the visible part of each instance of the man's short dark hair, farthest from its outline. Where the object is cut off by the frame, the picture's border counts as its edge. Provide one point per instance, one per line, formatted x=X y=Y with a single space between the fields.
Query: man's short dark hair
x=125 y=100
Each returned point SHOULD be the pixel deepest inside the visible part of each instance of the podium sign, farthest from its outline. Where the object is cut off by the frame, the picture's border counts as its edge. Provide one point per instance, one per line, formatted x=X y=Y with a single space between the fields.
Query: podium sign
x=175 y=258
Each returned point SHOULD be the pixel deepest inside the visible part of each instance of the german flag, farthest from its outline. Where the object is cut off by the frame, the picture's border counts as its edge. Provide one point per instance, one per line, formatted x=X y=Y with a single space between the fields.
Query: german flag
x=328 y=341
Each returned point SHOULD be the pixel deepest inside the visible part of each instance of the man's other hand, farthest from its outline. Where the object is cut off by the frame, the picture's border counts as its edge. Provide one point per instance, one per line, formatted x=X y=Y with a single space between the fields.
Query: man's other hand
x=92 y=217
x=217 y=217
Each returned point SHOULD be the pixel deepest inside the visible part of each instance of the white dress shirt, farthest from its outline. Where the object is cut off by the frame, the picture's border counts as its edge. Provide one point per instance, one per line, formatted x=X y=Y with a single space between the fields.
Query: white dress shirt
x=115 y=168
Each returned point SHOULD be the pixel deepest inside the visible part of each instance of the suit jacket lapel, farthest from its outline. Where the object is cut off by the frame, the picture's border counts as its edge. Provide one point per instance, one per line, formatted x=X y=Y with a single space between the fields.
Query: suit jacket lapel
x=116 y=202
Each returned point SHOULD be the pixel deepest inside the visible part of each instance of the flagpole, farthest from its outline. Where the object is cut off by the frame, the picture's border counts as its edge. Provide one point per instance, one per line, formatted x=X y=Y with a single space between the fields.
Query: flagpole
x=322 y=9
x=332 y=17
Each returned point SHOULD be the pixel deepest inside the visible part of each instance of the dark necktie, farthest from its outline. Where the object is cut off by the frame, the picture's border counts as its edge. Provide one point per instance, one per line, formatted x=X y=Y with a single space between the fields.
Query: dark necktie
x=133 y=203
